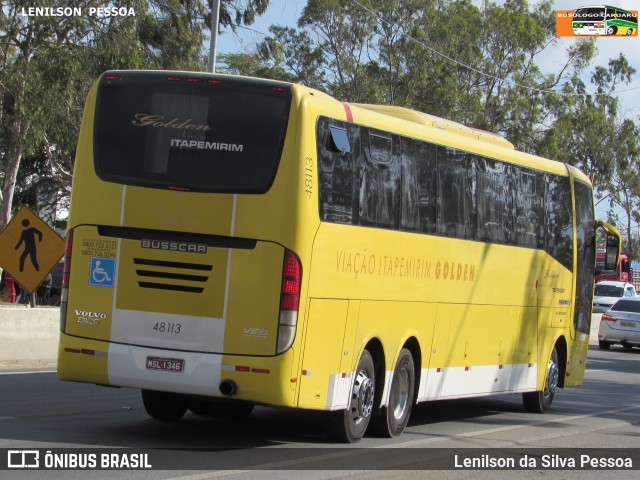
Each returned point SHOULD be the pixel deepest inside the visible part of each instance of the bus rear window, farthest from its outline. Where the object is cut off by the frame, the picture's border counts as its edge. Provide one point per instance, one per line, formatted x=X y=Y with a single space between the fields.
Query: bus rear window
x=188 y=132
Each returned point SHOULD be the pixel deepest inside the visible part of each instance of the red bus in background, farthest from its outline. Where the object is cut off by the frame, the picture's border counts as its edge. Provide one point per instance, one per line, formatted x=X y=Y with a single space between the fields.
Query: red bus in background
x=620 y=274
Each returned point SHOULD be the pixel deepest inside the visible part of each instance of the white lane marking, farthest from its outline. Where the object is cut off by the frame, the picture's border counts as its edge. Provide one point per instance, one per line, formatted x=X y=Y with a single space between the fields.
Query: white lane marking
x=350 y=452
x=510 y=427
x=27 y=372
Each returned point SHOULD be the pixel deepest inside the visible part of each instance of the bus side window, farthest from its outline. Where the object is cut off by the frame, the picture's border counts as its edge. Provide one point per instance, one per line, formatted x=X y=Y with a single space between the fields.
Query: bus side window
x=495 y=201
x=558 y=220
x=419 y=187
x=457 y=192
x=379 y=167
x=529 y=209
x=336 y=171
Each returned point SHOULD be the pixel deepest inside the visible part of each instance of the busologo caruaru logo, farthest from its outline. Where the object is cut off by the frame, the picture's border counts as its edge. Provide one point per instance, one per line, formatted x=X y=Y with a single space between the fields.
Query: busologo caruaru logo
x=597 y=20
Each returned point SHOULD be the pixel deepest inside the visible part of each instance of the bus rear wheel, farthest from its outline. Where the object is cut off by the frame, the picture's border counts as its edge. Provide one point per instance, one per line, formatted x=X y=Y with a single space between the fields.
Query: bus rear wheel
x=538 y=402
x=350 y=425
x=394 y=417
x=164 y=405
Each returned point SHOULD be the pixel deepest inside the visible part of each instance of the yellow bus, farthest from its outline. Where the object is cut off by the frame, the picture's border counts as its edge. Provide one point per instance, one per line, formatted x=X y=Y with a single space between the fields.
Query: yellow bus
x=237 y=241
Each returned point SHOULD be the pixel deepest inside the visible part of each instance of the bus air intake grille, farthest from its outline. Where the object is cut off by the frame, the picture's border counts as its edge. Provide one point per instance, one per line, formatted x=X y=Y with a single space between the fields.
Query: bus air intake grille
x=173 y=276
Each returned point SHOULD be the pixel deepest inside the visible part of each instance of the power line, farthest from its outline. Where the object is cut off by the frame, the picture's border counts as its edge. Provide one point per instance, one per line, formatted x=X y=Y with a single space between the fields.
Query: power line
x=480 y=72
x=463 y=65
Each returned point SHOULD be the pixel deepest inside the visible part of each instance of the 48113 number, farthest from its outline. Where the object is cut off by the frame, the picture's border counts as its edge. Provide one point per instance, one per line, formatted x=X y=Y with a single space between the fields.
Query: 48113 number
x=167 y=327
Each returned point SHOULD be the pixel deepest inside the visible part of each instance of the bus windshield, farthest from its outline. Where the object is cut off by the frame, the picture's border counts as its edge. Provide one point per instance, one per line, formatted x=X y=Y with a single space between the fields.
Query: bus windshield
x=589 y=14
x=168 y=131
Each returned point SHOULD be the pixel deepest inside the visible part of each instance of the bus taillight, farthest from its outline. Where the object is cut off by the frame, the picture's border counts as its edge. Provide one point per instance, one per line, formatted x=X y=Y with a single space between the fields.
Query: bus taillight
x=289 y=301
x=291 y=278
x=66 y=273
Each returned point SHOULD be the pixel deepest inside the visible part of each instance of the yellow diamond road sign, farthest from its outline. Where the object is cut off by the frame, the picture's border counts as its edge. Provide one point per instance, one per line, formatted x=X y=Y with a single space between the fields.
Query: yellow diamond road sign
x=29 y=249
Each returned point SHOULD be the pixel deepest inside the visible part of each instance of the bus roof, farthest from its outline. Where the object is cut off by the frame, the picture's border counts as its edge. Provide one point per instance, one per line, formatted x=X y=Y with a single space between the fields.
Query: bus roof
x=437 y=122
x=490 y=144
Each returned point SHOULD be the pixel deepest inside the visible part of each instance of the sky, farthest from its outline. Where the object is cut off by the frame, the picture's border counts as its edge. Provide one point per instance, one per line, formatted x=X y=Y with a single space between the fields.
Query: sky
x=287 y=12
x=281 y=12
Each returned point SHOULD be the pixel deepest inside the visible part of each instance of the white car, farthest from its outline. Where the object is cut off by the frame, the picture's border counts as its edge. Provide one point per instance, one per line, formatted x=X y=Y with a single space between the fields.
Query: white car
x=621 y=324
x=609 y=292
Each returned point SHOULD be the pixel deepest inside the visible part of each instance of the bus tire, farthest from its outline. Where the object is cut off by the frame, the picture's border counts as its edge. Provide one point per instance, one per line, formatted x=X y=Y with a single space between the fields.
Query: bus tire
x=350 y=425
x=164 y=405
x=540 y=401
x=393 y=418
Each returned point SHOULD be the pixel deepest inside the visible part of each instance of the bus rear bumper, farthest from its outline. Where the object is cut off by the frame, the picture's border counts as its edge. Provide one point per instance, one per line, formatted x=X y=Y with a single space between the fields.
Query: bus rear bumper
x=258 y=379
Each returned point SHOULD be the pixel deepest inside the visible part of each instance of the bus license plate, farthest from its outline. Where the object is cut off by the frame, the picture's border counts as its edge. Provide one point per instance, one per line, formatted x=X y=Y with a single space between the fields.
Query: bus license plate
x=166 y=364
x=628 y=324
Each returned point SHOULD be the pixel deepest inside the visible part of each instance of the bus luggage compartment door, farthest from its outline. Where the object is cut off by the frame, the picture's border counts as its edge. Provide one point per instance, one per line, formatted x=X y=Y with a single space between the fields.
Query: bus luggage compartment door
x=216 y=300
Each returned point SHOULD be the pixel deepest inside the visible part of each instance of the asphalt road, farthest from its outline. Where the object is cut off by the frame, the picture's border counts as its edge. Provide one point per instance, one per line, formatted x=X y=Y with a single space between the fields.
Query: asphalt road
x=39 y=412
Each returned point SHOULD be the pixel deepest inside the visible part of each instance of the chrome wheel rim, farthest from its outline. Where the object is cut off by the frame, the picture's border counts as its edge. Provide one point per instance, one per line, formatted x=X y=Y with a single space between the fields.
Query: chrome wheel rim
x=363 y=397
x=401 y=393
x=552 y=378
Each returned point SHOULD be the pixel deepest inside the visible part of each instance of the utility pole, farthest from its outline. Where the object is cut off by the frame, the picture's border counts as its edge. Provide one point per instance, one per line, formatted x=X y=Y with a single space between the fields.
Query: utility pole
x=215 y=19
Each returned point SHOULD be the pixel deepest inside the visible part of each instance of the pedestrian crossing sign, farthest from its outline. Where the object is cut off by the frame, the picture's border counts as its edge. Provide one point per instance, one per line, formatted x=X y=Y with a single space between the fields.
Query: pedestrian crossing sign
x=29 y=249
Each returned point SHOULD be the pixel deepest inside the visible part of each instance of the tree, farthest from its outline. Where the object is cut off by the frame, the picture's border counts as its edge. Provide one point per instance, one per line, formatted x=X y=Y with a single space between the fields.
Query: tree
x=585 y=128
x=287 y=55
x=48 y=63
x=25 y=40
x=624 y=186
x=451 y=58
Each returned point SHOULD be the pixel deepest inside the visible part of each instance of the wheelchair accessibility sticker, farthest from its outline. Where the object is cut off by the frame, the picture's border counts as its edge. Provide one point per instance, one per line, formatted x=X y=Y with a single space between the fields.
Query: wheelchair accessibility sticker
x=102 y=272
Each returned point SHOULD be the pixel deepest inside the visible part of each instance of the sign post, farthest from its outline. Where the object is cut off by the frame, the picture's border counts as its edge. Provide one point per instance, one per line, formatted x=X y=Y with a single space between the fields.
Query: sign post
x=29 y=249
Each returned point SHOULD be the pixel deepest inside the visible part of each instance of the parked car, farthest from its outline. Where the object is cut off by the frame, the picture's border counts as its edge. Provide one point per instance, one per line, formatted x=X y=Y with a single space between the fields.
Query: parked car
x=621 y=324
x=56 y=284
x=608 y=292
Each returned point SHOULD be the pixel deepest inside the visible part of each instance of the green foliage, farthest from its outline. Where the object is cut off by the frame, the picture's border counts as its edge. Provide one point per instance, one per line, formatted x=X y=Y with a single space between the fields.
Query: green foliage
x=287 y=55
x=624 y=184
x=48 y=63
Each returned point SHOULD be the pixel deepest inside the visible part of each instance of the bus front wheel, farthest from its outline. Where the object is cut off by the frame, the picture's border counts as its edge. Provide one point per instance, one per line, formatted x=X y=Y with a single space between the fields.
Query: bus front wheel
x=164 y=405
x=538 y=402
x=394 y=417
x=351 y=424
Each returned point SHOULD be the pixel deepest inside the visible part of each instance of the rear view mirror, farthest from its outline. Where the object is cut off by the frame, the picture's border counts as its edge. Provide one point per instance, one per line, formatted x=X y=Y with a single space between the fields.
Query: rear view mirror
x=612 y=252
x=613 y=242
